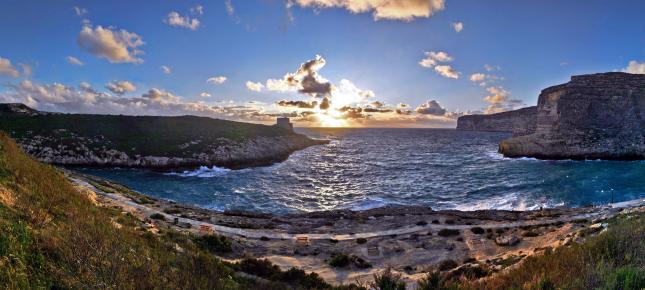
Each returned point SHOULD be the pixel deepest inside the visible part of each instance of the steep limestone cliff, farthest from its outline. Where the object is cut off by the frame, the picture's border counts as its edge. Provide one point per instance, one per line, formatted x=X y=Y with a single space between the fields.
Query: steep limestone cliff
x=519 y=122
x=147 y=141
x=597 y=116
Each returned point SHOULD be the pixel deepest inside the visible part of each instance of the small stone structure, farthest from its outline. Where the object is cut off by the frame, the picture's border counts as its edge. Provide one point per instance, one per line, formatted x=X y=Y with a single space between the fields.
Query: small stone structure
x=284 y=123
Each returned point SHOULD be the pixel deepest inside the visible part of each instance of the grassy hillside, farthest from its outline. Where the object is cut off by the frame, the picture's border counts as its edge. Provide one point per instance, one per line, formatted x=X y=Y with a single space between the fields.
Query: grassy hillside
x=53 y=237
x=143 y=135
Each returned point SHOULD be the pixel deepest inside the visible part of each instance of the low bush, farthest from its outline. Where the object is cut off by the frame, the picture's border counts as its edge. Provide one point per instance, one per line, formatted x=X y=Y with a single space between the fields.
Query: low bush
x=448 y=233
x=157 y=216
x=214 y=243
x=339 y=260
x=361 y=241
x=388 y=280
x=478 y=230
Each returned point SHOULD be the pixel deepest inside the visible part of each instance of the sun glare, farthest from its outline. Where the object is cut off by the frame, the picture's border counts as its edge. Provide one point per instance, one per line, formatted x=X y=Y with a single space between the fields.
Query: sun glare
x=330 y=121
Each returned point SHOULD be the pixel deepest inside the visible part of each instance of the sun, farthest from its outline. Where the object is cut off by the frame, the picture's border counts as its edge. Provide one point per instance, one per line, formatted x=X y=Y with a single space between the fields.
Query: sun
x=327 y=120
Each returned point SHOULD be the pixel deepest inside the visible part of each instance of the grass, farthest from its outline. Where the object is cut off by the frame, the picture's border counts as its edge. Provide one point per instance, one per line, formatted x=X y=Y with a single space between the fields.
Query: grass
x=53 y=237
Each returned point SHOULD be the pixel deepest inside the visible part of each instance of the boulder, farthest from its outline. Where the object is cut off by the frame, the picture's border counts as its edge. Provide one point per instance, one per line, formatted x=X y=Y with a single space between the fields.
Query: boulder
x=507 y=241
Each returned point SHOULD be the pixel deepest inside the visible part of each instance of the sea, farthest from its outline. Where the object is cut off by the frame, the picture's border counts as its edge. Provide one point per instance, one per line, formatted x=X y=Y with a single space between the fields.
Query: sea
x=367 y=168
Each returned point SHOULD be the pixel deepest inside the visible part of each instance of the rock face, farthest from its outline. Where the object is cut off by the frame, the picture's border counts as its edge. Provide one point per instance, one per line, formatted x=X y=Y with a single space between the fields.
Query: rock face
x=519 y=122
x=597 y=116
x=147 y=141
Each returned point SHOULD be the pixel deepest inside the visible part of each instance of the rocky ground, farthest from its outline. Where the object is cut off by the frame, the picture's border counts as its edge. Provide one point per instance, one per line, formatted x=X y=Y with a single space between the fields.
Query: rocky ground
x=410 y=240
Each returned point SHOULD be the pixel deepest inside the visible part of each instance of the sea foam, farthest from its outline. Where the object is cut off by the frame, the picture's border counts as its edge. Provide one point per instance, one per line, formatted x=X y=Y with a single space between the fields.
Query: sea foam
x=202 y=171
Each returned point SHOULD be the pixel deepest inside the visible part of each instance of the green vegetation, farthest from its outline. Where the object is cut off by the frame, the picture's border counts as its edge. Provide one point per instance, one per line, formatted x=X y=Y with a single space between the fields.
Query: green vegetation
x=448 y=233
x=53 y=237
x=387 y=280
x=339 y=260
x=214 y=243
x=142 y=135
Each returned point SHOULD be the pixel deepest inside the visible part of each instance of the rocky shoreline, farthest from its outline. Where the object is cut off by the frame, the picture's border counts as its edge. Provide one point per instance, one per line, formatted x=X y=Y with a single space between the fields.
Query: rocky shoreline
x=409 y=240
x=260 y=151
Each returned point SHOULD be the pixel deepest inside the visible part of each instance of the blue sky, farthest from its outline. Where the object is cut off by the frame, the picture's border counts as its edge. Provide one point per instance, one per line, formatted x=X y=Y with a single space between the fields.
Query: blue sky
x=530 y=45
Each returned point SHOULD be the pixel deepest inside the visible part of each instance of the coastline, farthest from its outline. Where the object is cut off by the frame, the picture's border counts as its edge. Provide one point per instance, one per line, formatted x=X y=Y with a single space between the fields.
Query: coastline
x=409 y=239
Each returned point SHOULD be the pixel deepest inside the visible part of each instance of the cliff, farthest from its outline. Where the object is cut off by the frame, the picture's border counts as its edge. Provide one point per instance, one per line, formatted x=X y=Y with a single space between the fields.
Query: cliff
x=597 y=116
x=519 y=122
x=148 y=141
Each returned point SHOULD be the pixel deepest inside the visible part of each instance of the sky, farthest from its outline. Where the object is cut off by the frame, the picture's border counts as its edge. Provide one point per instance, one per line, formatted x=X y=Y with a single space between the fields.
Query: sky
x=350 y=63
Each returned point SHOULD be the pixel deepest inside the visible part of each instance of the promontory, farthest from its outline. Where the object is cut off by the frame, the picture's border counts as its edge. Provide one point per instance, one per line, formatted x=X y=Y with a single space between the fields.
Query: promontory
x=595 y=116
x=153 y=142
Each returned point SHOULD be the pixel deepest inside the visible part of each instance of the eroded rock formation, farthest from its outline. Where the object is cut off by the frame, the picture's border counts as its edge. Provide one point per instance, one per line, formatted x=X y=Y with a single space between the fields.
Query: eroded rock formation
x=596 y=116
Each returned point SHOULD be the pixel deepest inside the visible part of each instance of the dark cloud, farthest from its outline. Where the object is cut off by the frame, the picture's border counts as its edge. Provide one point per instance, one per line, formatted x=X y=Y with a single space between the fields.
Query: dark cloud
x=298 y=104
x=324 y=105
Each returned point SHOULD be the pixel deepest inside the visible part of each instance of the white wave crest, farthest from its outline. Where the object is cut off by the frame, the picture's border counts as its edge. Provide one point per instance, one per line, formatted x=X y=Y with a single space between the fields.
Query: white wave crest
x=202 y=171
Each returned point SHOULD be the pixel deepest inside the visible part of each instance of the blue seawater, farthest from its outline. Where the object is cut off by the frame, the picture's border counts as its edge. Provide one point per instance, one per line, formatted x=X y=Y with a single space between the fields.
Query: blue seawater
x=366 y=168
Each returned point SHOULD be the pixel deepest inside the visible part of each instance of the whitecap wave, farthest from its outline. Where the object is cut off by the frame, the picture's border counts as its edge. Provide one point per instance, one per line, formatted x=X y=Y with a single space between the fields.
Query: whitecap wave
x=202 y=171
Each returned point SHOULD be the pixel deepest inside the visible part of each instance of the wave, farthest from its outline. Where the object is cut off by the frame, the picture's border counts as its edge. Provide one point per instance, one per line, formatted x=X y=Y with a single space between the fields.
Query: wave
x=202 y=171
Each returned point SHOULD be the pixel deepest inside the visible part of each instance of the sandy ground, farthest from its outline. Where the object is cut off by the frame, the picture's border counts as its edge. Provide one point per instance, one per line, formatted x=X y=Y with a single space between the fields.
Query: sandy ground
x=409 y=240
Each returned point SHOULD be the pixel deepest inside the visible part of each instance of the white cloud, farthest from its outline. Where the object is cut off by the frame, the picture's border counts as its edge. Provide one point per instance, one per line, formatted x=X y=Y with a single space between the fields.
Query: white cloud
x=484 y=79
x=635 y=67
x=26 y=70
x=160 y=96
x=74 y=61
x=205 y=95
x=186 y=21
x=166 y=70
x=84 y=99
x=80 y=11
x=217 y=80
x=488 y=67
x=432 y=58
x=499 y=100
x=256 y=87
x=447 y=71
x=477 y=77
x=405 y=10
x=121 y=87
x=116 y=46
x=458 y=26
x=431 y=108
x=6 y=68
x=197 y=10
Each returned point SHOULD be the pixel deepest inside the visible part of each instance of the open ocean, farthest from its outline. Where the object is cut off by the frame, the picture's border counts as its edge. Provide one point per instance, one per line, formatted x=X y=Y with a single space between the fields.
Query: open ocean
x=367 y=168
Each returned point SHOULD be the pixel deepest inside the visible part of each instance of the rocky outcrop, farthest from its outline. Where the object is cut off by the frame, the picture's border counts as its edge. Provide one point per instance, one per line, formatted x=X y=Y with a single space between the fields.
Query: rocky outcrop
x=597 y=116
x=18 y=109
x=519 y=122
x=253 y=152
x=155 y=142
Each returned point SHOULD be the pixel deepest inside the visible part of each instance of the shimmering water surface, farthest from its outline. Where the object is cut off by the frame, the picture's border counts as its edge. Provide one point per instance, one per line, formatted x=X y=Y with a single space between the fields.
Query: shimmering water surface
x=365 y=168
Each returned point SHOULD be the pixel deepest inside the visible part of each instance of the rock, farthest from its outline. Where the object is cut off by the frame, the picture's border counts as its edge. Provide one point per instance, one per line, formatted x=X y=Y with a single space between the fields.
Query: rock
x=597 y=116
x=519 y=122
x=508 y=240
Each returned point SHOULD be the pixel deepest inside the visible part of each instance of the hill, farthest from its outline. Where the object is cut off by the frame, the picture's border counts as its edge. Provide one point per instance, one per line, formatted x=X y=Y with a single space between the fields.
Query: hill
x=53 y=236
x=147 y=141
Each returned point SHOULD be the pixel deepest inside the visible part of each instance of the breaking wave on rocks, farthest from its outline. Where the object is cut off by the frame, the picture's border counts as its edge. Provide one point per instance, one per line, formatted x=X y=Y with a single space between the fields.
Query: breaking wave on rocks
x=367 y=168
x=202 y=171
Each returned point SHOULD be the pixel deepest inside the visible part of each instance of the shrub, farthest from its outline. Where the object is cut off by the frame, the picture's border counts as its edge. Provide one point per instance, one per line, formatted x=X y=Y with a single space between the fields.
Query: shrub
x=422 y=223
x=530 y=234
x=388 y=280
x=478 y=230
x=214 y=243
x=448 y=233
x=264 y=238
x=157 y=216
x=339 y=260
x=432 y=281
x=446 y=265
x=361 y=241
